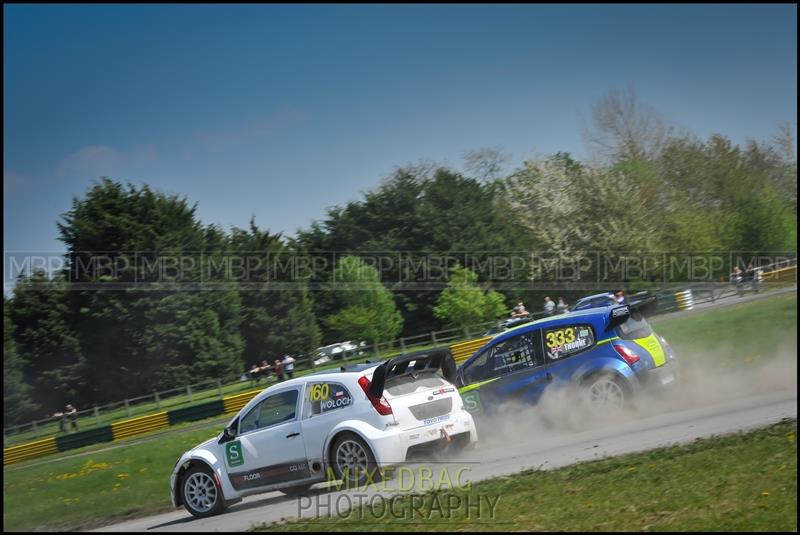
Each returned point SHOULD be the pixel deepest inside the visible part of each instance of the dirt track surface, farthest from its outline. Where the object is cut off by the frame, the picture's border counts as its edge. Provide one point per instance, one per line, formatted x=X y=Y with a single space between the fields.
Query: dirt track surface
x=495 y=456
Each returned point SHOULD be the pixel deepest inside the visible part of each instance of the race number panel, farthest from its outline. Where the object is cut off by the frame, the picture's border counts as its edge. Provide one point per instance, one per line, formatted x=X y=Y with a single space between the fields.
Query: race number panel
x=566 y=341
x=325 y=397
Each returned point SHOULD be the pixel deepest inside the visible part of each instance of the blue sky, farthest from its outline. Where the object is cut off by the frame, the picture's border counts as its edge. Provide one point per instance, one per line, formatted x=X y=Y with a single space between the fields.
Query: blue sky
x=279 y=111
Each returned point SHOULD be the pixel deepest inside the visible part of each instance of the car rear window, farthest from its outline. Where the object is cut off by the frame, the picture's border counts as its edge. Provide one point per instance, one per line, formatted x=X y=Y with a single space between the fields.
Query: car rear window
x=406 y=384
x=635 y=327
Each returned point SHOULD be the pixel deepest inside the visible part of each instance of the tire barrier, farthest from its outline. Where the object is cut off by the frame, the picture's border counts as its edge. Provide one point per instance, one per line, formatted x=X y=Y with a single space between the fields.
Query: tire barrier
x=235 y=403
x=464 y=350
x=85 y=438
x=685 y=300
x=142 y=424
x=667 y=303
x=31 y=450
x=196 y=412
x=125 y=429
x=788 y=274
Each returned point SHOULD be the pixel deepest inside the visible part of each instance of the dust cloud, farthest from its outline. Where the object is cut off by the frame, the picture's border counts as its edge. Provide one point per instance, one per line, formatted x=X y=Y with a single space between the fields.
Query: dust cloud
x=704 y=379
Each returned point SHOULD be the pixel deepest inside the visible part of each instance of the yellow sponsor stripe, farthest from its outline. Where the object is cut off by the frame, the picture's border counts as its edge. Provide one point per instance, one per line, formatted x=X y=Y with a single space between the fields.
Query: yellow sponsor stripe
x=142 y=424
x=652 y=346
x=29 y=450
x=465 y=389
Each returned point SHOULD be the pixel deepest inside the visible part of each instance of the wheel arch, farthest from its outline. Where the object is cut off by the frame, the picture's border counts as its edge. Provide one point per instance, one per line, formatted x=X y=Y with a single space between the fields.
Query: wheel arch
x=184 y=468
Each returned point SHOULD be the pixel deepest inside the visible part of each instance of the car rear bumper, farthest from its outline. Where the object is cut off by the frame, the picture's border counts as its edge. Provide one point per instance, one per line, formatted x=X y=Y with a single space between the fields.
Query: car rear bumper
x=663 y=378
x=393 y=448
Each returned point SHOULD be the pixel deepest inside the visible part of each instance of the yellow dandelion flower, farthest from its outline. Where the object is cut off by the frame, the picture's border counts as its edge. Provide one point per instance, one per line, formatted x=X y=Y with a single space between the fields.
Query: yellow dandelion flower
x=765 y=493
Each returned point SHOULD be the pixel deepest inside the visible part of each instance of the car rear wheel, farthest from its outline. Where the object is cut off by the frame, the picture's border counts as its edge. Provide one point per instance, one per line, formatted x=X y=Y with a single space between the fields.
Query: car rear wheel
x=201 y=495
x=353 y=461
x=605 y=395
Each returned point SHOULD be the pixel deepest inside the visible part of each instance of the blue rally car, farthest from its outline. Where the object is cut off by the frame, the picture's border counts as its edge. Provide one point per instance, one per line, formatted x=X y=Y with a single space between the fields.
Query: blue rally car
x=606 y=354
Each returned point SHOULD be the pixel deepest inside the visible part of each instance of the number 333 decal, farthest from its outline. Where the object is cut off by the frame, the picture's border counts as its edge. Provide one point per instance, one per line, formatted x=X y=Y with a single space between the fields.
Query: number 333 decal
x=560 y=337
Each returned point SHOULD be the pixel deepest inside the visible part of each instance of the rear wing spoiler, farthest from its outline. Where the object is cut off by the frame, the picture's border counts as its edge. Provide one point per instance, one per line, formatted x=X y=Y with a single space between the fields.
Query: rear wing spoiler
x=646 y=306
x=431 y=360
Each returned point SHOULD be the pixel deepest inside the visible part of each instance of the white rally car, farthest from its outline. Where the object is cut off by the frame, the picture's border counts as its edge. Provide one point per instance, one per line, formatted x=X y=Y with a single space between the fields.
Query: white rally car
x=349 y=422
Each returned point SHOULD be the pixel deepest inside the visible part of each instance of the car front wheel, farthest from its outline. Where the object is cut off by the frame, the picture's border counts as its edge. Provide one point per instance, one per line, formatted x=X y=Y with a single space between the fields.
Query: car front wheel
x=202 y=496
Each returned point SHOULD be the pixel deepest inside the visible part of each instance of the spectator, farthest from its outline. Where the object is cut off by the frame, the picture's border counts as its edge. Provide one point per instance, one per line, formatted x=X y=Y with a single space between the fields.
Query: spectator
x=278 y=369
x=756 y=277
x=72 y=414
x=619 y=297
x=519 y=311
x=266 y=370
x=255 y=373
x=62 y=421
x=737 y=279
x=562 y=306
x=549 y=306
x=288 y=365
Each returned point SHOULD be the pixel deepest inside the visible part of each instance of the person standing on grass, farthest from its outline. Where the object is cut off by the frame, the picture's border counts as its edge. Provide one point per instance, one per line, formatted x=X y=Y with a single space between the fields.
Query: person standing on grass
x=288 y=365
x=72 y=414
x=278 y=367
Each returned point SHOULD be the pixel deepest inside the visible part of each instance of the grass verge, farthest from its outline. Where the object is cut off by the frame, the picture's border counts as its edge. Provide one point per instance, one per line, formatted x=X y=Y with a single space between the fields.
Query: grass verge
x=744 y=482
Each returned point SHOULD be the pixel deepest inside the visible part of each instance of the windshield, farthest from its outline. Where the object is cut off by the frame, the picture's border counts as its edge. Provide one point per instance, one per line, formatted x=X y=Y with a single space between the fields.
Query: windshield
x=406 y=384
x=635 y=327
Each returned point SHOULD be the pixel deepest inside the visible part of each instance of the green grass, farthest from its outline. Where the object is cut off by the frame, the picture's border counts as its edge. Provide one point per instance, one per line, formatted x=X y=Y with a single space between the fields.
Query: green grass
x=83 y=491
x=35 y=498
x=738 y=333
x=744 y=482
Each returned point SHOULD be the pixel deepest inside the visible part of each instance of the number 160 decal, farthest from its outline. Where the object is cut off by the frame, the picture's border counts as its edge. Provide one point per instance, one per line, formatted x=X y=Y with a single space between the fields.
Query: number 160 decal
x=319 y=392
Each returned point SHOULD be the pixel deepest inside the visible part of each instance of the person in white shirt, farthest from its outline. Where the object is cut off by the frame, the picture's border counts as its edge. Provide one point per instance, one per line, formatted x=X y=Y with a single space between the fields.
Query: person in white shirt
x=519 y=311
x=549 y=306
x=288 y=366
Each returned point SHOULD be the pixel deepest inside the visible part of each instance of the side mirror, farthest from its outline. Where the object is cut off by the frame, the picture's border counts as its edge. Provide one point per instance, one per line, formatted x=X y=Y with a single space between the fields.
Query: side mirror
x=229 y=433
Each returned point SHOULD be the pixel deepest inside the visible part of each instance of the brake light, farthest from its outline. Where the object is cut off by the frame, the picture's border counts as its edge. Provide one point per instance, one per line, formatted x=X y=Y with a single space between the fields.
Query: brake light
x=630 y=357
x=380 y=403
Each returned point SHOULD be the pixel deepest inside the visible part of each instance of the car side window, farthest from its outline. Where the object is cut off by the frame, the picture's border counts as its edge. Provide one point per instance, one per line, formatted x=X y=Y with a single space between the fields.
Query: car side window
x=513 y=354
x=565 y=341
x=274 y=409
x=324 y=397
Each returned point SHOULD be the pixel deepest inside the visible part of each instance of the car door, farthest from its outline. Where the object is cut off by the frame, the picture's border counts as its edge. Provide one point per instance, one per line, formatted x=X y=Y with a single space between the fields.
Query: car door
x=510 y=370
x=567 y=348
x=269 y=447
x=326 y=404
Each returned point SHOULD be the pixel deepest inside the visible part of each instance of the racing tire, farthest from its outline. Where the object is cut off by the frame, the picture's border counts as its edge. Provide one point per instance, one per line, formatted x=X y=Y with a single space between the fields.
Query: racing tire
x=296 y=491
x=605 y=395
x=353 y=461
x=200 y=493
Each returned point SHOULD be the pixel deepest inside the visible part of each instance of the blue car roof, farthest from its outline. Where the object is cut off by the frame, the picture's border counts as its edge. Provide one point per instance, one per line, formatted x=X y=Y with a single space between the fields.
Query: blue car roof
x=595 y=316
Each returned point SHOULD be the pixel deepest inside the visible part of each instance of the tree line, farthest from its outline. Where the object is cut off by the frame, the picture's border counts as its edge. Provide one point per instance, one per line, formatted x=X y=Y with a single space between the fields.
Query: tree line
x=85 y=336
